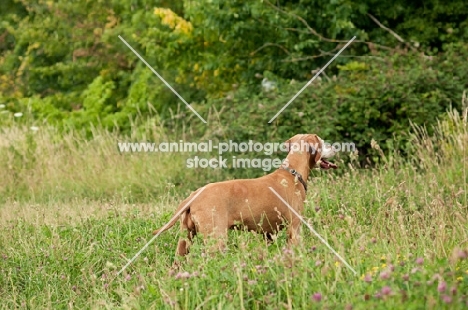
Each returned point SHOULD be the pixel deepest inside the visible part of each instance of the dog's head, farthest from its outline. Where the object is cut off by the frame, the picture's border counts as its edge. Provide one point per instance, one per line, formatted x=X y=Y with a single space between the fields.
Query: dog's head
x=319 y=151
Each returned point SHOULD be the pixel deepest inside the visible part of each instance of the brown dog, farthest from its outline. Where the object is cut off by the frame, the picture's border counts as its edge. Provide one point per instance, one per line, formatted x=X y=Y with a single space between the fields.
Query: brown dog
x=249 y=203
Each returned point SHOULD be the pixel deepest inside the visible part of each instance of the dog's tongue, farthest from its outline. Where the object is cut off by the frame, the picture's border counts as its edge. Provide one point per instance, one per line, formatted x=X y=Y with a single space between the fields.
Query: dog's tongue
x=327 y=165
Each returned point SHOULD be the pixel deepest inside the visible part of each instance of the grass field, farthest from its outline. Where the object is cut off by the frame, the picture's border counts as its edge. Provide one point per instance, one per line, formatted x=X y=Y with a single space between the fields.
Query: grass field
x=69 y=221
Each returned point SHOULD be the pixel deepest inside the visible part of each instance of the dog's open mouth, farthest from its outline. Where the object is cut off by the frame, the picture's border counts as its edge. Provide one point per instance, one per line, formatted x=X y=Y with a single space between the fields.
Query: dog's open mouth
x=324 y=164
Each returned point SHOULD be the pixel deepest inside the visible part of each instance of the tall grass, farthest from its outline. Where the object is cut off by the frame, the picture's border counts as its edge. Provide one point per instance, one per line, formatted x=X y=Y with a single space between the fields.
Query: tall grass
x=403 y=226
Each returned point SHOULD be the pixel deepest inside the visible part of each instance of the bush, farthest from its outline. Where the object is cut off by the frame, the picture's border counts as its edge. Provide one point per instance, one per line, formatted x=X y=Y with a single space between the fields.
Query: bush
x=375 y=98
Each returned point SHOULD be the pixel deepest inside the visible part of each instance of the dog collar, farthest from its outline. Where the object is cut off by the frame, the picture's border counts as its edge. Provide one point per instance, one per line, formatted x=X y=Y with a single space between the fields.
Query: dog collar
x=298 y=175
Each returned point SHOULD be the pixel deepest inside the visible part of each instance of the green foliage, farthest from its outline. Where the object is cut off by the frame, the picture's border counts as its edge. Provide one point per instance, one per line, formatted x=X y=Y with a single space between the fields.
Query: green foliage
x=63 y=63
x=372 y=99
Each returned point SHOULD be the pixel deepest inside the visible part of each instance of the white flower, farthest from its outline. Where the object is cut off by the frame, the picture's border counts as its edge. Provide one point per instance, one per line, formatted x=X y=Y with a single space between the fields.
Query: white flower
x=2 y=106
x=267 y=85
x=34 y=128
x=18 y=114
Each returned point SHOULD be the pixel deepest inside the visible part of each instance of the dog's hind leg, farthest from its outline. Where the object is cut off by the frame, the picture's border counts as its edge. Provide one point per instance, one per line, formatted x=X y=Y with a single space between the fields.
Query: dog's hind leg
x=186 y=225
x=294 y=231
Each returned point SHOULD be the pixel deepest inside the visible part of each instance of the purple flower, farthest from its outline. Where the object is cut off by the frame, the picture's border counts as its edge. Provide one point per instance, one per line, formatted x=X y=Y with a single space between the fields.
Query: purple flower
x=442 y=286
x=384 y=275
x=182 y=275
x=419 y=260
x=461 y=254
x=405 y=277
x=386 y=290
x=317 y=297
x=368 y=278
x=447 y=299
x=287 y=251
x=318 y=263
x=252 y=282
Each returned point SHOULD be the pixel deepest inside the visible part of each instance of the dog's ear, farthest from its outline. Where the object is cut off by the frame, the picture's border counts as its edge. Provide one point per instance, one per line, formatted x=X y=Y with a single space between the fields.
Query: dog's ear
x=287 y=145
x=315 y=145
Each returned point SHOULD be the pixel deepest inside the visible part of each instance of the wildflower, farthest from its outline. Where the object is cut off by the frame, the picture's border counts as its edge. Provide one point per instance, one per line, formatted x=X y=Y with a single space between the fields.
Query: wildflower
x=318 y=263
x=182 y=275
x=384 y=265
x=384 y=275
x=461 y=254
x=368 y=278
x=317 y=297
x=386 y=290
x=287 y=251
x=18 y=114
x=373 y=240
x=442 y=286
x=405 y=277
x=337 y=264
x=252 y=282
x=419 y=260
x=414 y=270
x=447 y=299
x=383 y=257
x=453 y=290
x=459 y=279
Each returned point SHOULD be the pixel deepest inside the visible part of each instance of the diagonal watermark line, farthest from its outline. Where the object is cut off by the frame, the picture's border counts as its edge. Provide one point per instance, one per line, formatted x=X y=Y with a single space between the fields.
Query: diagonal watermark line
x=308 y=83
x=162 y=79
x=313 y=230
x=161 y=230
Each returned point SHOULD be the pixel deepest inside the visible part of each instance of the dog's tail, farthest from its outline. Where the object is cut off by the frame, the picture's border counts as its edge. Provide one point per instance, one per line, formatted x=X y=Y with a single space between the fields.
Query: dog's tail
x=184 y=206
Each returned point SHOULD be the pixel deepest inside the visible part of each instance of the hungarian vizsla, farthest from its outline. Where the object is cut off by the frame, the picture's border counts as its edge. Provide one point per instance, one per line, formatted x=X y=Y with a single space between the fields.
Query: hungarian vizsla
x=249 y=203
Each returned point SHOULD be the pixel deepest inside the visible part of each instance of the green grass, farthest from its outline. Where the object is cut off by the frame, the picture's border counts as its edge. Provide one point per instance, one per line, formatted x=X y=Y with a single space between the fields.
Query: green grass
x=403 y=227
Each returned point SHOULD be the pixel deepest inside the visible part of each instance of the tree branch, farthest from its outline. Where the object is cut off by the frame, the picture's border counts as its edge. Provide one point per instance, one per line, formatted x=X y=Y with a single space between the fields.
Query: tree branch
x=269 y=44
x=393 y=33
x=321 y=37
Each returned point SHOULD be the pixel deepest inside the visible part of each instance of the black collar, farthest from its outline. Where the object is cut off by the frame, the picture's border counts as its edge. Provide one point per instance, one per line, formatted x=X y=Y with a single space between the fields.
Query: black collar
x=298 y=175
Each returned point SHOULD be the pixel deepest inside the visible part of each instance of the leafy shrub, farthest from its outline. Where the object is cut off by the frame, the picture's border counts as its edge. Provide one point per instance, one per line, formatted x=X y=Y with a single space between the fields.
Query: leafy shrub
x=375 y=98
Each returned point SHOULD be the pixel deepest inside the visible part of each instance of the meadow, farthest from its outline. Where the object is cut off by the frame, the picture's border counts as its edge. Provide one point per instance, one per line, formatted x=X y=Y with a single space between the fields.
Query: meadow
x=74 y=210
